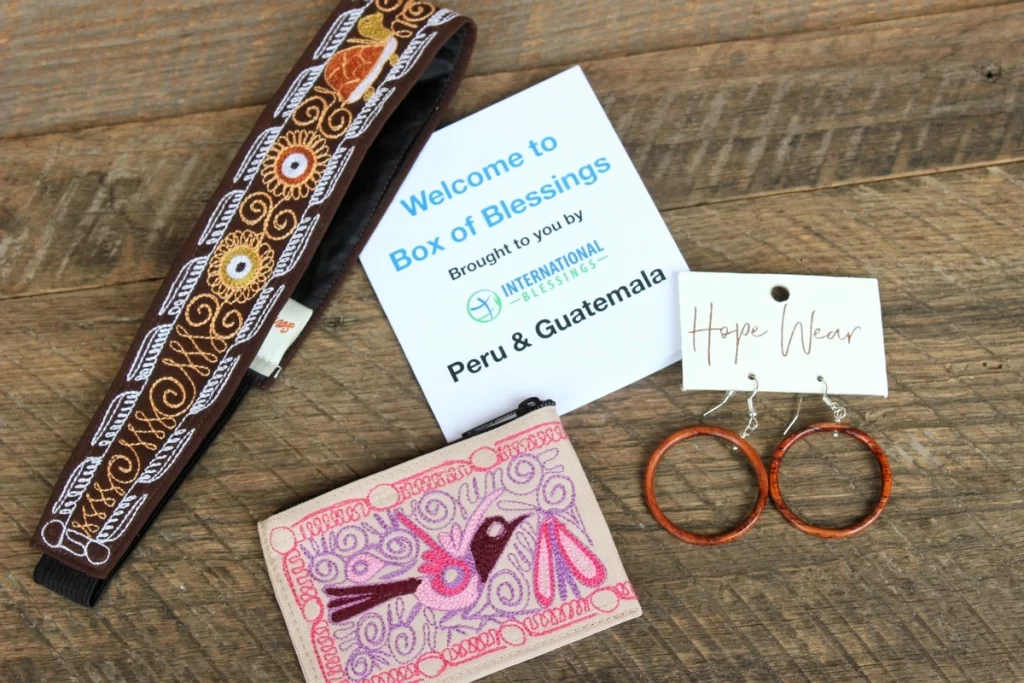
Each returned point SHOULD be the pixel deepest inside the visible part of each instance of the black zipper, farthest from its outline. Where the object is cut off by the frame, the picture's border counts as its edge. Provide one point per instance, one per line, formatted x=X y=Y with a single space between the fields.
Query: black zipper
x=525 y=408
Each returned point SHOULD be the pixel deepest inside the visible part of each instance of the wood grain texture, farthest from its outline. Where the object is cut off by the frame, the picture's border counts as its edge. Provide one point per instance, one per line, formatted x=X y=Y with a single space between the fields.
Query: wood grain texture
x=709 y=124
x=727 y=137
x=75 y=63
x=932 y=592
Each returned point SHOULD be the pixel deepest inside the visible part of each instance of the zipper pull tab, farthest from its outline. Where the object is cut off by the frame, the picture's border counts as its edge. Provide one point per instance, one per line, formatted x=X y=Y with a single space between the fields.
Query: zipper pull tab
x=526 y=407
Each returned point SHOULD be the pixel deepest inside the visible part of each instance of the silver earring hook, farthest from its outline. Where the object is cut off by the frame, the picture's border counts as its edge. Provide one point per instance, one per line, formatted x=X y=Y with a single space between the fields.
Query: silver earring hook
x=838 y=412
x=725 y=400
x=751 y=412
x=792 y=422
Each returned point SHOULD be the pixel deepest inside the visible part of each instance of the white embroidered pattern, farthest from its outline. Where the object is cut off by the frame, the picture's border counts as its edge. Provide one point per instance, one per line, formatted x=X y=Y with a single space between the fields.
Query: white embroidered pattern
x=369 y=113
x=114 y=418
x=338 y=32
x=221 y=217
x=166 y=456
x=294 y=249
x=297 y=91
x=254 y=322
x=149 y=351
x=77 y=483
x=250 y=165
x=325 y=188
x=184 y=283
x=121 y=518
x=214 y=386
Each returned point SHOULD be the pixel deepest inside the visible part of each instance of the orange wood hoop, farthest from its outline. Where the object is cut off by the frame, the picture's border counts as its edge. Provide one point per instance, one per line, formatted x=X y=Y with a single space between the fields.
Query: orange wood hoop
x=823 y=532
x=755 y=462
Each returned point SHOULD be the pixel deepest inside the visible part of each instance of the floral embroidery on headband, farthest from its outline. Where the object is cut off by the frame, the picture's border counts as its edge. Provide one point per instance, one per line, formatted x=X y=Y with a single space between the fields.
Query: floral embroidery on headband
x=240 y=266
x=295 y=163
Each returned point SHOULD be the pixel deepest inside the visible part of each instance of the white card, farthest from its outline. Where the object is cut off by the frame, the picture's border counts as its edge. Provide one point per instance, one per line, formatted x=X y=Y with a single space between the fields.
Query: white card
x=512 y=219
x=787 y=330
x=286 y=329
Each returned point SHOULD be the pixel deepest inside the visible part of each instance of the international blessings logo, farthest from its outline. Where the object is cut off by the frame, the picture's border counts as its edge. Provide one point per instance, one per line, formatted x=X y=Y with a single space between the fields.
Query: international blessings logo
x=484 y=305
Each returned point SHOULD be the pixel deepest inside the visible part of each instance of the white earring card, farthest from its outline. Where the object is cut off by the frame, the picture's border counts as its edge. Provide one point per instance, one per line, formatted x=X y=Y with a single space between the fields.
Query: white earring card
x=786 y=330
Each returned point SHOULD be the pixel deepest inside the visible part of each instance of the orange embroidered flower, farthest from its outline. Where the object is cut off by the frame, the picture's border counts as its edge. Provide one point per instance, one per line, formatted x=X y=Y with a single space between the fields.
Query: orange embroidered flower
x=295 y=163
x=240 y=266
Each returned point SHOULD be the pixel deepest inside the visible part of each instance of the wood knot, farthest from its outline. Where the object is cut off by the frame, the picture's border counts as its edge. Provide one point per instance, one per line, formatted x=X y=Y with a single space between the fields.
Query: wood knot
x=991 y=72
x=331 y=323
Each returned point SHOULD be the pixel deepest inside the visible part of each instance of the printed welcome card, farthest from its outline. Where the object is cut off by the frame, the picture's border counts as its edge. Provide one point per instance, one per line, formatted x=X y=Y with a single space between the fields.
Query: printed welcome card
x=522 y=256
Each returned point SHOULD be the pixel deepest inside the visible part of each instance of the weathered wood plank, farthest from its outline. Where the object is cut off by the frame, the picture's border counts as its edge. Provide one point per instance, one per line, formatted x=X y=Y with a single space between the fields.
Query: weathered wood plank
x=70 y=64
x=707 y=124
x=933 y=592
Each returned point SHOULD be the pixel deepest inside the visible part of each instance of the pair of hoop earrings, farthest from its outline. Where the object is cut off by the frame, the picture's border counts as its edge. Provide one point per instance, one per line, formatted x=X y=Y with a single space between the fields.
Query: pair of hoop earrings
x=768 y=482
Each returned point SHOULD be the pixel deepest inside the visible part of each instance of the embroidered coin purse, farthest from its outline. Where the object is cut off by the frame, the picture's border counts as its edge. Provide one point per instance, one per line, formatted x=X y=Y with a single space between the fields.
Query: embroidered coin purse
x=452 y=566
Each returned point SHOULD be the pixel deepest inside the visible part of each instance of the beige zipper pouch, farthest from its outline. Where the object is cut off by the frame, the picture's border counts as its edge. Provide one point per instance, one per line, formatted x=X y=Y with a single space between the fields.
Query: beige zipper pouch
x=451 y=566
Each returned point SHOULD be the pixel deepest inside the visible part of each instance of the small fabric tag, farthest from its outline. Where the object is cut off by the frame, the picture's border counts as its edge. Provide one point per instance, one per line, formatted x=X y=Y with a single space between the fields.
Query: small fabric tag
x=452 y=566
x=786 y=330
x=286 y=329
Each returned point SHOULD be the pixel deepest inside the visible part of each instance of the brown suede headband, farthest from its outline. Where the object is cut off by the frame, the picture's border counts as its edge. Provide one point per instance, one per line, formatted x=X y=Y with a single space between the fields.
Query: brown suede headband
x=300 y=198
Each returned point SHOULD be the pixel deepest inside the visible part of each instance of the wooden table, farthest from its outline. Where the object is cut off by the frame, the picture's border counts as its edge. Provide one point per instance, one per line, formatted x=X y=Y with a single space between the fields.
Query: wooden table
x=846 y=137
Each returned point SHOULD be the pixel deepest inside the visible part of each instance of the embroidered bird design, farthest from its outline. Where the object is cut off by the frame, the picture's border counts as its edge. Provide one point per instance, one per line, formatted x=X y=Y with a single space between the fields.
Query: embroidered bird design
x=455 y=566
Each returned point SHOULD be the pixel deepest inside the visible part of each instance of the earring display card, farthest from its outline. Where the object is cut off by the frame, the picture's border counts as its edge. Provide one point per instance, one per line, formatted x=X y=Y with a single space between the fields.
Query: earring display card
x=787 y=330
x=452 y=566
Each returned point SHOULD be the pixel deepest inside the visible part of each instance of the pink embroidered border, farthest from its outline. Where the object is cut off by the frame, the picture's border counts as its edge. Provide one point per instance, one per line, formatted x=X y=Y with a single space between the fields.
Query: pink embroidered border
x=285 y=541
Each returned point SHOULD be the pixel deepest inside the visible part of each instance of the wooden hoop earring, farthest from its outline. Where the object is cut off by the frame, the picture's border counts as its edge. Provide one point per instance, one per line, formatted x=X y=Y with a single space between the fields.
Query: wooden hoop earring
x=824 y=532
x=755 y=462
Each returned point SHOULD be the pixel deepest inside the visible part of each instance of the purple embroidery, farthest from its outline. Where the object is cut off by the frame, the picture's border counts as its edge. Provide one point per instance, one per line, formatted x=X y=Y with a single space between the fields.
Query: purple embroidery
x=453 y=563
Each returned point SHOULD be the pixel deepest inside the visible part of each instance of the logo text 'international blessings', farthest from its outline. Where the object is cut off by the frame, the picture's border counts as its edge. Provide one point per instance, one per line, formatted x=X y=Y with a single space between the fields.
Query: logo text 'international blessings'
x=484 y=305
x=555 y=273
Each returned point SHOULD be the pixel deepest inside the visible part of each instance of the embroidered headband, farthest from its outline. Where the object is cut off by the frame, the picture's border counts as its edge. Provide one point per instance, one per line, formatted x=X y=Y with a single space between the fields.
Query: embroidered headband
x=300 y=198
